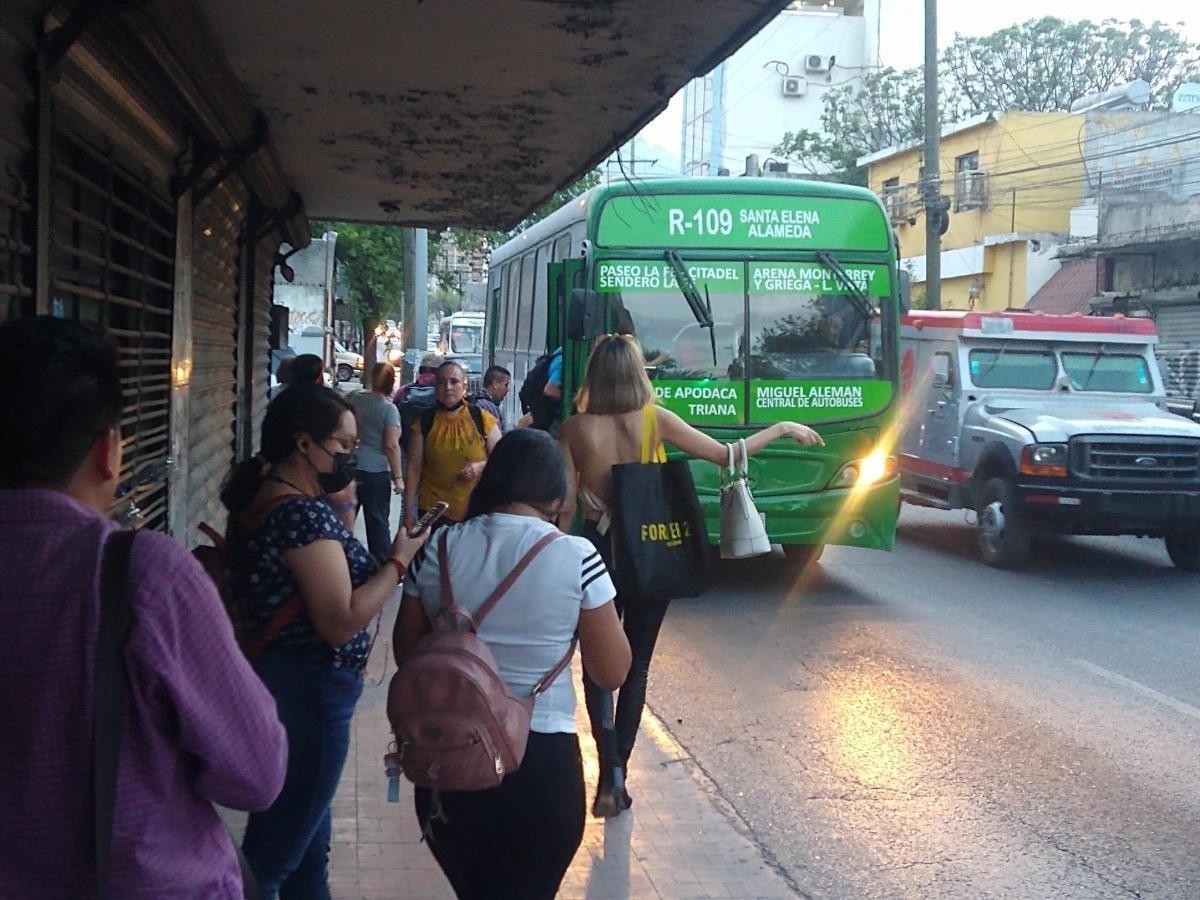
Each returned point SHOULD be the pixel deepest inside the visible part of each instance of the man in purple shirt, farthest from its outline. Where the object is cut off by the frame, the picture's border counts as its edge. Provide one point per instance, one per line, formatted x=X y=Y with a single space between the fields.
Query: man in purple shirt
x=198 y=727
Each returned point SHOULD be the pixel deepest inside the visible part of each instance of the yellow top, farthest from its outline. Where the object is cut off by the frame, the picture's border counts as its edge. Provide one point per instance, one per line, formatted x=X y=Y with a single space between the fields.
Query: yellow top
x=652 y=448
x=453 y=442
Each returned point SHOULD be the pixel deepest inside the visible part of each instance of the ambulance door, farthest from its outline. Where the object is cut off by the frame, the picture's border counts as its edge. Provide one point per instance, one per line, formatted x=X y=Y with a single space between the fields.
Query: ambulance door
x=940 y=411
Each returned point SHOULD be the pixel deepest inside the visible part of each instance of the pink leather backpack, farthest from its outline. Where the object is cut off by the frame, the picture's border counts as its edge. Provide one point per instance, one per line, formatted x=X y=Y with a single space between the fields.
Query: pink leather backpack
x=457 y=727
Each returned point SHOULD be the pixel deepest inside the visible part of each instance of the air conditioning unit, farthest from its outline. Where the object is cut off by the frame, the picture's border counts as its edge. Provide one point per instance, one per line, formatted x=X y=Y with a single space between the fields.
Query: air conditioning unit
x=815 y=62
x=794 y=87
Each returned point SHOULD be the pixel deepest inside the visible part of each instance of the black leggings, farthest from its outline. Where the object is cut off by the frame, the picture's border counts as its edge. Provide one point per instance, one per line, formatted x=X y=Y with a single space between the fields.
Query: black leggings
x=642 y=618
x=515 y=841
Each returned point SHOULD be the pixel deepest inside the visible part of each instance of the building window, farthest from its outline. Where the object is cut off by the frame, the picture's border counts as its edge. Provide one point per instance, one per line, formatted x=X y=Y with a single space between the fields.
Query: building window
x=970 y=184
x=895 y=201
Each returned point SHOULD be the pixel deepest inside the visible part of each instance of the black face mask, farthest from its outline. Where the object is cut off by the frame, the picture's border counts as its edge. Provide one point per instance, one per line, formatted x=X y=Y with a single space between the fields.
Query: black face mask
x=345 y=465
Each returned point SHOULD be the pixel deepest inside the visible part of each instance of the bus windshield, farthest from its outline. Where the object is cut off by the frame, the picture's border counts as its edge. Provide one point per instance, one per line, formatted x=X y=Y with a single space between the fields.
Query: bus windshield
x=784 y=333
x=466 y=339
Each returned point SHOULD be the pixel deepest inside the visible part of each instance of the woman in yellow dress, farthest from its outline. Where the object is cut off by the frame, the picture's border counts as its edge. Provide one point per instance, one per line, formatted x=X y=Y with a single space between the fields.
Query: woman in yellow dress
x=448 y=449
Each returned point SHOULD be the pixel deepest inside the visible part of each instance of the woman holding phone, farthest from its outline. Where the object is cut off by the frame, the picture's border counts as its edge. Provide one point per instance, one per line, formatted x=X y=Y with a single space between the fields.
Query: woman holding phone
x=308 y=590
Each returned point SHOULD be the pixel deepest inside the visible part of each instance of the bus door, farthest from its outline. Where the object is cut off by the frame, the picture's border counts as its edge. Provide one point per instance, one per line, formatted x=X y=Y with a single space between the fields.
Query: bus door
x=562 y=278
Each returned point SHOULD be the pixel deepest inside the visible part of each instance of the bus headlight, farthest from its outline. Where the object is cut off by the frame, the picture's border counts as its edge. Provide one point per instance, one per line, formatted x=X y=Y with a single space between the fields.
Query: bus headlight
x=874 y=467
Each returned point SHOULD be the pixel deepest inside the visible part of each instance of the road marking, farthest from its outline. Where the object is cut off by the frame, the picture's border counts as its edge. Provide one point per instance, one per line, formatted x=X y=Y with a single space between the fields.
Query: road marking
x=1137 y=687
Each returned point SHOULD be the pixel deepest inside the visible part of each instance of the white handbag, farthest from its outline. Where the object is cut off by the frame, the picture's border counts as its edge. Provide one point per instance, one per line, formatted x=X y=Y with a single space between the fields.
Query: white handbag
x=743 y=533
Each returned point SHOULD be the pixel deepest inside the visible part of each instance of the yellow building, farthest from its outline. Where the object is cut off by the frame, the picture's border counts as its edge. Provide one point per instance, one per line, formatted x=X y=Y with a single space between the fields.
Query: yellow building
x=1012 y=180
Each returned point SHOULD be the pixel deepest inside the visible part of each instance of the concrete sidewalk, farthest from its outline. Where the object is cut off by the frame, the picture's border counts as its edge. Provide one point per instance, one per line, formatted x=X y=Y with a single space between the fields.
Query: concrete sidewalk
x=675 y=842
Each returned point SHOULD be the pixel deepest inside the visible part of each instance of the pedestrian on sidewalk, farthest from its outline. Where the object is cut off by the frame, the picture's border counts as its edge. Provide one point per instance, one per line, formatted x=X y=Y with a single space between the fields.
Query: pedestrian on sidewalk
x=308 y=368
x=199 y=728
x=309 y=590
x=380 y=473
x=606 y=431
x=517 y=840
x=496 y=382
x=448 y=449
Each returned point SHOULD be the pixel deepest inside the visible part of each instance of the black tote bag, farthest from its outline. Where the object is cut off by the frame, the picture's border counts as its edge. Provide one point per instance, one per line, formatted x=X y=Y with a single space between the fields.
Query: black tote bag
x=660 y=541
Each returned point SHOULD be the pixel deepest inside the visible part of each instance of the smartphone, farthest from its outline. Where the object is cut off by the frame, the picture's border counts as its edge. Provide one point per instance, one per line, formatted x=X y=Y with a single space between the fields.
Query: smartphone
x=429 y=519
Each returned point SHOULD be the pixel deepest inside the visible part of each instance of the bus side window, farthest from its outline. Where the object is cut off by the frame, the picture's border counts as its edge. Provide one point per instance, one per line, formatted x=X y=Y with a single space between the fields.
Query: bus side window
x=536 y=339
x=562 y=248
x=509 y=324
x=525 y=308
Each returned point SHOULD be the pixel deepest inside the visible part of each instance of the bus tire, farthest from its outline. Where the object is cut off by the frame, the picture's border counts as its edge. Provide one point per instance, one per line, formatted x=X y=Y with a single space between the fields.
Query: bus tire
x=1183 y=547
x=1005 y=538
x=801 y=556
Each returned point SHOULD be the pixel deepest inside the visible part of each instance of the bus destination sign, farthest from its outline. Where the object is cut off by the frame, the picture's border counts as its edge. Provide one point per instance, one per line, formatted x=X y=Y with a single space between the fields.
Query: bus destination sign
x=711 y=402
x=742 y=222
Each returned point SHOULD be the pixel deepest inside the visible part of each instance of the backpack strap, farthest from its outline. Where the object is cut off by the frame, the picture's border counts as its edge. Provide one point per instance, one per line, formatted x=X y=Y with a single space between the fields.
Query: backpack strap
x=511 y=578
x=427 y=420
x=291 y=607
x=450 y=611
x=116 y=617
x=548 y=679
x=477 y=418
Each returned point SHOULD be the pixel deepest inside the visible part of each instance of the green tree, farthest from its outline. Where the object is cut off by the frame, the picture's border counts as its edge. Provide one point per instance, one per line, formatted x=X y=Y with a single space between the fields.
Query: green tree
x=1043 y=65
x=889 y=109
x=371 y=260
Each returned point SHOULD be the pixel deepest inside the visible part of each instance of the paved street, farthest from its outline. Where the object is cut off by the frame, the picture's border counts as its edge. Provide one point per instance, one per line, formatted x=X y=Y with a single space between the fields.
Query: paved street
x=904 y=725
x=916 y=725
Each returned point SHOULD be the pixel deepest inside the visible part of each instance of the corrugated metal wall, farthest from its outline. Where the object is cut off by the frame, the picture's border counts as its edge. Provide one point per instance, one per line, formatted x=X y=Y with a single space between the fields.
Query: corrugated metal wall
x=264 y=296
x=1179 y=348
x=112 y=246
x=16 y=213
x=217 y=225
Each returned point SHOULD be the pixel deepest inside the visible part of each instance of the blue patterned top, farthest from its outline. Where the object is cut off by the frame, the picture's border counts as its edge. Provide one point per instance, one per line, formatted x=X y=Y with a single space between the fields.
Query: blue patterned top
x=261 y=580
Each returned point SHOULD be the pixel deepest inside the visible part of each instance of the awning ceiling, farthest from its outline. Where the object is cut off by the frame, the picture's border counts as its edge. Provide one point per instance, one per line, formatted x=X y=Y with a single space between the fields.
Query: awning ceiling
x=463 y=113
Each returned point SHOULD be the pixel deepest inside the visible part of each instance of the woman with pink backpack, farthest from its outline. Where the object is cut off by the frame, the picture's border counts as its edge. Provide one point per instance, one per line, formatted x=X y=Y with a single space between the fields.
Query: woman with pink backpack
x=516 y=839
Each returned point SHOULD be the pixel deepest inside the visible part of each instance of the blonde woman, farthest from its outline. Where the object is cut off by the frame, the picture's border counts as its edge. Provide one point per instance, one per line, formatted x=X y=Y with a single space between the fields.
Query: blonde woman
x=607 y=431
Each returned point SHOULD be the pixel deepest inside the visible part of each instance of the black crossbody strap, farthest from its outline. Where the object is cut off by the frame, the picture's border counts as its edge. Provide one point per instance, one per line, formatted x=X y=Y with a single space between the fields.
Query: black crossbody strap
x=116 y=617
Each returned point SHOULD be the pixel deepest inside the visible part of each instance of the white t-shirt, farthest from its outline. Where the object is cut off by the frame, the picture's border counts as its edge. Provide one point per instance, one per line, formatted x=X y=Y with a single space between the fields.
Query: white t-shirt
x=530 y=629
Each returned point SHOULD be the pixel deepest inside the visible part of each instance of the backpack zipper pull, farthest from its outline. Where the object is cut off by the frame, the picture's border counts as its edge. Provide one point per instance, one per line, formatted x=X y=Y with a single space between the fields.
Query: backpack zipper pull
x=391 y=766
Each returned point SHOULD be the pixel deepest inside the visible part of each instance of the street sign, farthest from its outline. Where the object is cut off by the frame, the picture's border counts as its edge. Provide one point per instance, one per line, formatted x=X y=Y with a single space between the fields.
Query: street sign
x=1186 y=98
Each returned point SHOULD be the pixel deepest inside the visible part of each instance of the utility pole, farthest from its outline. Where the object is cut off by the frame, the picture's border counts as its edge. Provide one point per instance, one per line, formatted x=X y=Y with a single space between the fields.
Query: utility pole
x=416 y=294
x=932 y=183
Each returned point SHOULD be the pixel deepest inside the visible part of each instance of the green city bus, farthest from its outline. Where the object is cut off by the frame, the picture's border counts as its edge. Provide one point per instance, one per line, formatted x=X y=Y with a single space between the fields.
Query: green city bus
x=755 y=300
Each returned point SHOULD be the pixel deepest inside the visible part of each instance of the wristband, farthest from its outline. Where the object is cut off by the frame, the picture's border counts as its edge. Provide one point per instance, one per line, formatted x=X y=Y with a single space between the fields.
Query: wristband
x=400 y=568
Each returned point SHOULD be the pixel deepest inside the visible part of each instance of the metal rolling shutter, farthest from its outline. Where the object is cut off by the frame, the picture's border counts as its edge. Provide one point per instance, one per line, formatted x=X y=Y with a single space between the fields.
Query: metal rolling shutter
x=1178 y=325
x=216 y=228
x=16 y=214
x=112 y=246
x=260 y=360
x=1179 y=347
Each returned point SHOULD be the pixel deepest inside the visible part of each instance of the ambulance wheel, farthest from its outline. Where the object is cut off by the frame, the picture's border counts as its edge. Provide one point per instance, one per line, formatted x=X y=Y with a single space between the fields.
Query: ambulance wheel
x=1004 y=537
x=1184 y=549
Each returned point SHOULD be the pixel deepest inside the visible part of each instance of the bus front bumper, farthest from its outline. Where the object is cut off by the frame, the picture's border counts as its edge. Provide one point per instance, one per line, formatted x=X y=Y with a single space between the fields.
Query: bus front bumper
x=856 y=517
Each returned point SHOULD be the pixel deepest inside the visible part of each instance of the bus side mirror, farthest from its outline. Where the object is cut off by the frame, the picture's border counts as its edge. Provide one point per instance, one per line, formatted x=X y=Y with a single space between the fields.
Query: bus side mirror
x=585 y=315
x=905 y=291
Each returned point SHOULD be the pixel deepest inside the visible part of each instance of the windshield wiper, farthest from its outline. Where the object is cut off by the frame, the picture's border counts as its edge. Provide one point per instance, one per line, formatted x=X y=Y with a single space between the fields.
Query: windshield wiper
x=1092 y=371
x=701 y=308
x=861 y=303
